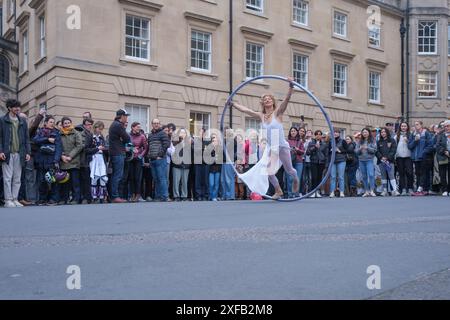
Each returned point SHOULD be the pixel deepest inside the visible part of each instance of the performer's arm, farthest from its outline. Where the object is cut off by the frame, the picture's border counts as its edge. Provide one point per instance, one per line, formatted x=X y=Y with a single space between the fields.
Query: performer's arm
x=283 y=106
x=246 y=110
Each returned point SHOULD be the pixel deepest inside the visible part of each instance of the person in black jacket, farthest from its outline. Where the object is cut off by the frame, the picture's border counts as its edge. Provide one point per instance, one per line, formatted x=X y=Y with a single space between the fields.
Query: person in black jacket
x=49 y=151
x=86 y=156
x=352 y=166
x=443 y=158
x=386 y=149
x=338 y=168
x=158 y=143
x=317 y=151
x=118 y=137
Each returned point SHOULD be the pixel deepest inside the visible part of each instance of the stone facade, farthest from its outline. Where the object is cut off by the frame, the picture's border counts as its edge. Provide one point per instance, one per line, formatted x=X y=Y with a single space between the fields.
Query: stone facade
x=85 y=66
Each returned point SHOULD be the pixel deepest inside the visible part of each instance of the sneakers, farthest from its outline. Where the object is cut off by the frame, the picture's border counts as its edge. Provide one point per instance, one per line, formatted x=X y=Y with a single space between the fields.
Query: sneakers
x=332 y=195
x=372 y=194
x=17 y=204
x=418 y=194
x=318 y=195
x=313 y=195
x=149 y=199
x=9 y=204
x=384 y=193
x=395 y=193
x=366 y=194
x=445 y=194
x=342 y=195
x=404 y=193
x=119 y=200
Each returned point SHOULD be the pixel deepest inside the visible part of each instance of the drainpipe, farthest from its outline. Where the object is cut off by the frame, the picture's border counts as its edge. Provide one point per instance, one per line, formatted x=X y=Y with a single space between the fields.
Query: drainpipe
x=230 y=60
x=18 y=51
x=407 y=63
x=402 y=40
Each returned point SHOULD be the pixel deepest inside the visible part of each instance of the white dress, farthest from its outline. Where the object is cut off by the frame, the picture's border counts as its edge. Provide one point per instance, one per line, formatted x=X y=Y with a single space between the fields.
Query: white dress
x=257 y=178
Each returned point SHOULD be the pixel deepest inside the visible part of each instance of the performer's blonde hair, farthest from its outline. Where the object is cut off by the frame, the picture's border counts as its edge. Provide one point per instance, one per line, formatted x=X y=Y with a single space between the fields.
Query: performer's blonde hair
x=262 y=101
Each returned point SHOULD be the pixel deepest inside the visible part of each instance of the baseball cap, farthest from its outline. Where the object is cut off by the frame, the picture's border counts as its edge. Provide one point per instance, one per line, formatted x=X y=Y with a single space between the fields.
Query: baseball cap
x=122 y=112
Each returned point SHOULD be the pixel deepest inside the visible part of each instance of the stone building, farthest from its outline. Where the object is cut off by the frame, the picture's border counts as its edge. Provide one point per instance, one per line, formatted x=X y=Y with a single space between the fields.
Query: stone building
x=175 y=59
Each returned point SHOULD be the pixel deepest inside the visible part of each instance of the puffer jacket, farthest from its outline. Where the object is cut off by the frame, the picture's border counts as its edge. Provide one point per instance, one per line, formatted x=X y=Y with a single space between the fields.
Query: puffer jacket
x=72 y=145
x=45 y=160
x=423 y=148
x=386 y=148
x=317 y=155
x=158 y=143
x=140 y=143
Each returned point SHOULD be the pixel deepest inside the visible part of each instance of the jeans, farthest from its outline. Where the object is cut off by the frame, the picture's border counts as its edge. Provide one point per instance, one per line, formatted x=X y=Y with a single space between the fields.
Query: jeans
x=214 y=178
x=74 y=185
x=201 y=181
x=117 y=173
x=368 y=174
x=228 y=176
x=350 y=170
x=339 y=169
x=289 y=180
x=159 y=172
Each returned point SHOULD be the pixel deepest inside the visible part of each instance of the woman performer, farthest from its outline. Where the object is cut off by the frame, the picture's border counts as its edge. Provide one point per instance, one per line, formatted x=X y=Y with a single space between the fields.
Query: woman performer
x=277 y=150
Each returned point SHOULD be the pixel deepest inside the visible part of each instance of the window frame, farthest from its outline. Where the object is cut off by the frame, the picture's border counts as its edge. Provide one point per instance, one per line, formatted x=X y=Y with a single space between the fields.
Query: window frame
x=375 y=101
x=6 y=70
x=254 y=43
x=436 y=85
x=435 y=52
x=131 y=106
x=306 y=72
x=42 y=36
x=345 y=94
x=339 y=12
x=294 y=8
x=195 y=129
x=25 y=56
x=210 y=52
x=255 y=8
x=149 y=41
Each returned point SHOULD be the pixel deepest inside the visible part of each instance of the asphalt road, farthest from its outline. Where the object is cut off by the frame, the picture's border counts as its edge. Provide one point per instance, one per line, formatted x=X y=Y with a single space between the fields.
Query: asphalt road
x=312 y=249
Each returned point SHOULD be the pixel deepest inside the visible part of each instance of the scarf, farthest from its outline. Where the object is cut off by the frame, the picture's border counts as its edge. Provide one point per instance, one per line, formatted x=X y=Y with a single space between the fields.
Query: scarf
x=66 y=131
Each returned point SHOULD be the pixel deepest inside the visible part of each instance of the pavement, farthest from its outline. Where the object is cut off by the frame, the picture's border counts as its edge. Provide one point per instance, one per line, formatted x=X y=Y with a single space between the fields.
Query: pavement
x=311 y=249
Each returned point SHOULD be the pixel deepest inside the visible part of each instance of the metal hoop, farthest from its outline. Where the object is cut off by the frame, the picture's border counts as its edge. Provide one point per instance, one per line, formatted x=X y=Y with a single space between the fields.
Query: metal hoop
x=318 y=104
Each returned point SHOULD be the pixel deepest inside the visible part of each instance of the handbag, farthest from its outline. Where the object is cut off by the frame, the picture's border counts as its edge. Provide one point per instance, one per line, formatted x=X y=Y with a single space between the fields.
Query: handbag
x=48 y=149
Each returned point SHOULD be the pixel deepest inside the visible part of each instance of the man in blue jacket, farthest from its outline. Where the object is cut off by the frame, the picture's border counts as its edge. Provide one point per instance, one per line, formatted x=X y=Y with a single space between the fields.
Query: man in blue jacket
x=421 y=146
